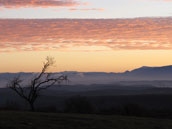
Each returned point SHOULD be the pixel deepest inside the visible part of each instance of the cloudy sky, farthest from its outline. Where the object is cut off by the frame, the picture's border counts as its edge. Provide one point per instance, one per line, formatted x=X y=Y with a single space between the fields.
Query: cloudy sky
x=84 y=8
x=85 y=35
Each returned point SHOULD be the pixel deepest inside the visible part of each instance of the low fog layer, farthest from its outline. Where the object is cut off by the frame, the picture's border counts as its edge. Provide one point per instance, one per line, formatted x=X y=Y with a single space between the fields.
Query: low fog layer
x=156 y=76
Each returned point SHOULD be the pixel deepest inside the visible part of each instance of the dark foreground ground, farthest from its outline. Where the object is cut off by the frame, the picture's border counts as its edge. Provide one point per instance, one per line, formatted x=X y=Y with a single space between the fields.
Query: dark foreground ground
x=27 y=120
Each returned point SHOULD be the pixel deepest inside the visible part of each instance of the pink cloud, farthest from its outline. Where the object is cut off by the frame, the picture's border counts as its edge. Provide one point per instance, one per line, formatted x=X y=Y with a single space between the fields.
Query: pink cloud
x=85 y=35
x=92 y=9
x=37 y=3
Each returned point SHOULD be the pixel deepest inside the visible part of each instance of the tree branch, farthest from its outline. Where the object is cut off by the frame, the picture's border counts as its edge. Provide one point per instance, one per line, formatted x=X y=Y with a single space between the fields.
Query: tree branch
x=40 y=82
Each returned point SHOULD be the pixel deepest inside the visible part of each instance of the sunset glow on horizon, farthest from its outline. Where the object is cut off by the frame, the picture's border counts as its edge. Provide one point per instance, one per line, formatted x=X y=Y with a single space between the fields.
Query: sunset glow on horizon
x=86 y=36
x=112 y=61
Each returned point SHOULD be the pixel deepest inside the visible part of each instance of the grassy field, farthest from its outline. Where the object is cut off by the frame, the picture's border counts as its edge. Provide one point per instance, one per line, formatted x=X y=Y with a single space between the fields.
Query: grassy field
x=27 y=120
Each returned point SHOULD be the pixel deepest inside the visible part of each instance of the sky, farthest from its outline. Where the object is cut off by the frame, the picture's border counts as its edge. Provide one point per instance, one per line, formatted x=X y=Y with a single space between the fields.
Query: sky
x=85 y=35
x=84 y=8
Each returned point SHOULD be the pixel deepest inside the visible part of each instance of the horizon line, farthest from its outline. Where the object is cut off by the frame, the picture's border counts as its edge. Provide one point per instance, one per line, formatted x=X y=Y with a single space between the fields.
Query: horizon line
x=92 y=71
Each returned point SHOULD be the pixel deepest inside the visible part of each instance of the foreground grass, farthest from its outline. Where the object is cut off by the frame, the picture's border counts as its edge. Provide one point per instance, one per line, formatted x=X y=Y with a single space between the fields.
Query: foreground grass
x=28 y=120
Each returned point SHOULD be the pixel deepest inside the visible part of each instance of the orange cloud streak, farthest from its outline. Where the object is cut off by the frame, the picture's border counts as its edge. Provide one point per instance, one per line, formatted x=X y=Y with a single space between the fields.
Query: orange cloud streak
x=80 y=35
x=93 y=9
x=37 y=3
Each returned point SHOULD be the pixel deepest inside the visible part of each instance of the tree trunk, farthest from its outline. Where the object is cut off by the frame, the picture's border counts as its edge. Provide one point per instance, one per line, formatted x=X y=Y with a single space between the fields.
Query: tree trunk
x=32 y=107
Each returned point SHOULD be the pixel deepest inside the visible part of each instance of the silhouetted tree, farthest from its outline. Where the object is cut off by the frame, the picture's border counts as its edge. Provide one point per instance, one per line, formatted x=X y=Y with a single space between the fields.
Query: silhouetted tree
x=42 y=81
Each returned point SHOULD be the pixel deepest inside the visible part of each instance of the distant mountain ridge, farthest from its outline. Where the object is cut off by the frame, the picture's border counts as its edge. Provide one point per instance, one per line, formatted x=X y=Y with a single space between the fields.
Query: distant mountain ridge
x=144 y=73
x=151 y=73
x=155 y=69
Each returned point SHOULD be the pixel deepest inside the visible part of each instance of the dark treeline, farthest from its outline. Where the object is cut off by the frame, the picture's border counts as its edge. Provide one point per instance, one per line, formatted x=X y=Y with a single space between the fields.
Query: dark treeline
x=157 y=106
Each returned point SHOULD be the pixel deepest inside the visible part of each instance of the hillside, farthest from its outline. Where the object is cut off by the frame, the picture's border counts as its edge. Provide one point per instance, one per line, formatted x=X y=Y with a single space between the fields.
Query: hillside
x=27 y=120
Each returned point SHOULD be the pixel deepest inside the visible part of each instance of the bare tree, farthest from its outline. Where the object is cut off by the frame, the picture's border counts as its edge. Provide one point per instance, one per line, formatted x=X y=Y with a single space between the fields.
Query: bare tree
x=42 y=81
